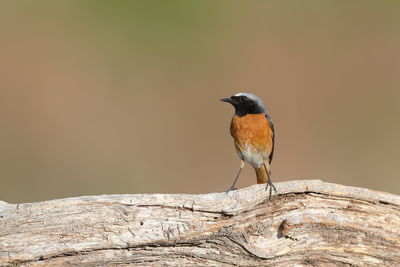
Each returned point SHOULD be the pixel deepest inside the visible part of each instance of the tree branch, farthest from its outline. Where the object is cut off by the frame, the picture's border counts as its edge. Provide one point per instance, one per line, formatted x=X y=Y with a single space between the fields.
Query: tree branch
x=306 y=222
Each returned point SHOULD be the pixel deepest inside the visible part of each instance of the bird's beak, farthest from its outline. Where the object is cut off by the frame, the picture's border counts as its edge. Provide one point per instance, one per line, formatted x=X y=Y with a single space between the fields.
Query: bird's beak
x=228 y=100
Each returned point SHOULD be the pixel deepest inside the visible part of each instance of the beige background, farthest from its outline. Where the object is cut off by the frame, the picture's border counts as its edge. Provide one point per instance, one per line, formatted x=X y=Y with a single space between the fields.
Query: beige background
x=102 y=97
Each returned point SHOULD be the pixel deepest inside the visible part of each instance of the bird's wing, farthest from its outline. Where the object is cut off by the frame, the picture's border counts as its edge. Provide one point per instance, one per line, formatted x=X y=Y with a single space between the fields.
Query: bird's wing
x=271 y=155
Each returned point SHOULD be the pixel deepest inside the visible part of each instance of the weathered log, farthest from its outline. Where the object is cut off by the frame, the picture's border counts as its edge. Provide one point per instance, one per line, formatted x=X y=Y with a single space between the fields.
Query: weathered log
x=305 y=223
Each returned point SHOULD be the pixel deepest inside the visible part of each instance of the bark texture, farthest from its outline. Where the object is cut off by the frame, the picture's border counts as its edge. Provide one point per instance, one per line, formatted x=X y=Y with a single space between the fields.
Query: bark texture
x=308 y=223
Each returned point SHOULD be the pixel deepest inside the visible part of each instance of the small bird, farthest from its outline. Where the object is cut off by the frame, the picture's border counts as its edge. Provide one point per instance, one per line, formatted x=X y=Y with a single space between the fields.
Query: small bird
x=254 y=137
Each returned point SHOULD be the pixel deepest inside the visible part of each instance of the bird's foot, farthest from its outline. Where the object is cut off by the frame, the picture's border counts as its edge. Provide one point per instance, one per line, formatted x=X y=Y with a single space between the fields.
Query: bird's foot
x=271 y=186
x=231 y=189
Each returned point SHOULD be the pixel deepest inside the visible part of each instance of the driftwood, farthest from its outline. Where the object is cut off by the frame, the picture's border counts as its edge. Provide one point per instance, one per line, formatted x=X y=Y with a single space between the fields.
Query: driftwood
x=305 y=223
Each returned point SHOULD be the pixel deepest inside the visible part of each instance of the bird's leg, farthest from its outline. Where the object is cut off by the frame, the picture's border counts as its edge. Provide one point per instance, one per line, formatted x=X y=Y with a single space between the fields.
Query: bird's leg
x=269 y=183
x=237 y=176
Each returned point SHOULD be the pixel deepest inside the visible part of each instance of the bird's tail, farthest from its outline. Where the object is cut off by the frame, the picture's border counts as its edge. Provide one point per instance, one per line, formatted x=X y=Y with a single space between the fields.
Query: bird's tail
x=262 y=174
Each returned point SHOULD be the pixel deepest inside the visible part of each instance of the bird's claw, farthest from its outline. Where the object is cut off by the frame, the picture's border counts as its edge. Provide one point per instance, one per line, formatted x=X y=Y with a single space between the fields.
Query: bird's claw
x=271 y=186
x=231 y=189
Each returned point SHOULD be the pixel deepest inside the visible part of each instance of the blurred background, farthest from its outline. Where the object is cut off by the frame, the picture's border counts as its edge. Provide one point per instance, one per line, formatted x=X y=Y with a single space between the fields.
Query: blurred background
x=103 y=97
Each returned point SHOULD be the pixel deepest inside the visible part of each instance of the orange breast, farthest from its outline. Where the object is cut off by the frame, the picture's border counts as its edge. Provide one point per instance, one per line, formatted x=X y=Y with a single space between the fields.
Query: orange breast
x=253 y=130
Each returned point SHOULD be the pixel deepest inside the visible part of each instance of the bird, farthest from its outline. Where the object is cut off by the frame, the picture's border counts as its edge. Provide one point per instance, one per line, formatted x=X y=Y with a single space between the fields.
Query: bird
x=254 y=136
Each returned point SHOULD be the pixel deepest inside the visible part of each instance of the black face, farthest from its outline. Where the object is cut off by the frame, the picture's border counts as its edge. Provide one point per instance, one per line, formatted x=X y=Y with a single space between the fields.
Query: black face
x=244 y=105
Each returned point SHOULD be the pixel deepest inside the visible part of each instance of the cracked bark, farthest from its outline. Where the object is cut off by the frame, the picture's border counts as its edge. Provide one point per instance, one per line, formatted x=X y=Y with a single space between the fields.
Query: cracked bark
x=307 y=223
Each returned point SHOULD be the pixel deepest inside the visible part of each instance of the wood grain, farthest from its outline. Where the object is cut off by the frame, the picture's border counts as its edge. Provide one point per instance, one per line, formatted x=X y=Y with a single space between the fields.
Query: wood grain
x=308 y=223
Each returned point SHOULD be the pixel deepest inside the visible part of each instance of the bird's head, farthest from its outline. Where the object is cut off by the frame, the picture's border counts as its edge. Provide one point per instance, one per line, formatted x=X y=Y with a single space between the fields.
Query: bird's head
x=246 y=103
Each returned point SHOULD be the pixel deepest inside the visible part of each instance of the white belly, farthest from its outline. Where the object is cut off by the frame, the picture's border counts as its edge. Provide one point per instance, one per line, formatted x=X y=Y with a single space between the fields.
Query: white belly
x=252 y=156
